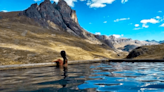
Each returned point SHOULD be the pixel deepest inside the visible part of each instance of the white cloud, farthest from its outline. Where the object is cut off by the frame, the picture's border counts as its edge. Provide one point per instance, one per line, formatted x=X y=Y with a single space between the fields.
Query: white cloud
x=117 y=20
x=153 y=21
x=4 y=11
x=99 y=3
x=160 y=11
x=124 y=1
x=162 y=25
x=69 y=2
x=105 y=21
x=118 y=36
x=37 y=0
x=137 y=28
x=145 y=26
x=136 y=25
x=97 y=33
x=158 y=17
x=145 y=21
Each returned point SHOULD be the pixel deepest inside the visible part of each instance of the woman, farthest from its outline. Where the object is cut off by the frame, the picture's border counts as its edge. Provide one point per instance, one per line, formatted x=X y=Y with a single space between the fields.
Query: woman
x=59 y=62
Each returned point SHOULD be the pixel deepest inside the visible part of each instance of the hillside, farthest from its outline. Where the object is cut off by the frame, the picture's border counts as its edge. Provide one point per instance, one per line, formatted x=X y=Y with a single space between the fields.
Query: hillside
x=148 y=52
x=24 y=41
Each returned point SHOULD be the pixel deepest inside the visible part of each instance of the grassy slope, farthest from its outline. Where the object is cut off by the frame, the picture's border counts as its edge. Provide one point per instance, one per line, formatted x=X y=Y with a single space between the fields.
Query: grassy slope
x=23 y=41
x=152 y=52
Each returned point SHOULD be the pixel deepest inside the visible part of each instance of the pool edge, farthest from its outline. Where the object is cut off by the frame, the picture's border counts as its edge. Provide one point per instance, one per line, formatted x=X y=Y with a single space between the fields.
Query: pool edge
x=36 y=65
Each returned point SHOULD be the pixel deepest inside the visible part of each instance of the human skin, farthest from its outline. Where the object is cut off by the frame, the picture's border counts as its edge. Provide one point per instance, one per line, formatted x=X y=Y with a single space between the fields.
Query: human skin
x=60 y=63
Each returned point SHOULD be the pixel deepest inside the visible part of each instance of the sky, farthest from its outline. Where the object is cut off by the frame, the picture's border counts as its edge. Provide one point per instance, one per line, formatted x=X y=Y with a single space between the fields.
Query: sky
x=136 y=19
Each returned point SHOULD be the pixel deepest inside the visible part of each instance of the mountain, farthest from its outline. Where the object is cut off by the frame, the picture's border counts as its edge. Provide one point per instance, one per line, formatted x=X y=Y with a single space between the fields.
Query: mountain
x=39 y=33
x=123 y=44
x=57 y=16
x=147 y=52
x=154 y=41
x=161 y=42
x=61 y=16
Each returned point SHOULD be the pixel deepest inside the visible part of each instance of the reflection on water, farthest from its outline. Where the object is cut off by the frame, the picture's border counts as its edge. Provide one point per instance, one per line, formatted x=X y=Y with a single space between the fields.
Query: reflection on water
x=112 y=77
x=46 y=79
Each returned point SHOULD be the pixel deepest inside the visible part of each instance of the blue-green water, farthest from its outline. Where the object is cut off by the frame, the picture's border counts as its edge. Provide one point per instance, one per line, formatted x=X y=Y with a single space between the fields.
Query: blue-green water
x=103 y=77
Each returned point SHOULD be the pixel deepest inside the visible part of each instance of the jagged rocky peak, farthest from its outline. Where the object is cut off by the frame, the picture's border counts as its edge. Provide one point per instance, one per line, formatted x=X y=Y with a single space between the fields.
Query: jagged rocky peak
x=32 y=12
x=57 y=16
x=54 y=5
x=47 y=1
x=102 y=37
x=45 y=14
x=51 y=14
x=64 y=9
x=34 y=5
x=112 y=37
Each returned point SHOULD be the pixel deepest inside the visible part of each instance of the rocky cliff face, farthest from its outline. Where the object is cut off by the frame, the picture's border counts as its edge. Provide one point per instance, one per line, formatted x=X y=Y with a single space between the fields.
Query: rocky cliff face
x=74 y=16
x=105 y=39
x=57 y=16
x=44 y=13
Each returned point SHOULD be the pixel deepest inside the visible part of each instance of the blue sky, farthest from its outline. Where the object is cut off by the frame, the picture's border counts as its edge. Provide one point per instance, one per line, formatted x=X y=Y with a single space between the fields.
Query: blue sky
x=136 y=19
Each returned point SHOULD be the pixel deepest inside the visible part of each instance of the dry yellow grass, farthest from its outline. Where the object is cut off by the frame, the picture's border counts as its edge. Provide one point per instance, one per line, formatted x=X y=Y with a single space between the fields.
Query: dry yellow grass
x=151 y=52
x=22 y=43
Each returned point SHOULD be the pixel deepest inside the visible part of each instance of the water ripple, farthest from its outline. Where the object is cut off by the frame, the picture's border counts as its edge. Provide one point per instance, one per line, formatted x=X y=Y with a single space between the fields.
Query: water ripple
x=124 y=77
x=102 y=77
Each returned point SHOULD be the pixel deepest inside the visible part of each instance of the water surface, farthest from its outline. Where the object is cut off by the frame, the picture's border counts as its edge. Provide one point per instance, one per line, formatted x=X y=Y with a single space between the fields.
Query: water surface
x=103 y=77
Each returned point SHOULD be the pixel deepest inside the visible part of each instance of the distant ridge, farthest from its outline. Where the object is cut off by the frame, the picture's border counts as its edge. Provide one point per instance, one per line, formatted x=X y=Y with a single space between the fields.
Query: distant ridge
x=160 y=42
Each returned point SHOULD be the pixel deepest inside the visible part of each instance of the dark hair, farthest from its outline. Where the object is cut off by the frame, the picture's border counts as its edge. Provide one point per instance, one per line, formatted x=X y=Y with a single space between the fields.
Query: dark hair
x=63 y=54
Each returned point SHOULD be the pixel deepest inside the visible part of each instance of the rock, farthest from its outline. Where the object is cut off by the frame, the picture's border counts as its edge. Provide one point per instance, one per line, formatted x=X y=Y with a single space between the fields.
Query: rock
x=48 y=12
x=17 y=58
x=67 y=15
x=129 y=48
x=109 y=43
x=161 y=42
x=16 y=41
x=31 y=55
x=24 y=33
x=105 y=40
x=73 y=16
x=137 y=42
x=137 y=52
x=44 y=12
x=57 y=16
x=64 y=9
x=53 y=35
x=32 y=12
x=101 y=37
